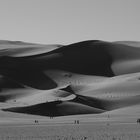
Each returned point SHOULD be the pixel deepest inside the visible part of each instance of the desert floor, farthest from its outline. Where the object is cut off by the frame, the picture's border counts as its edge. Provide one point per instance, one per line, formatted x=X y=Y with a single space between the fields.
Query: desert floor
x=90 y=127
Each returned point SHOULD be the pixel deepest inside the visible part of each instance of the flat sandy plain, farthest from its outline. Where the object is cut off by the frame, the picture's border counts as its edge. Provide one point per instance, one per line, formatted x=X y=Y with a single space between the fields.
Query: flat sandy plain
x=83 y=131
x=90 y=127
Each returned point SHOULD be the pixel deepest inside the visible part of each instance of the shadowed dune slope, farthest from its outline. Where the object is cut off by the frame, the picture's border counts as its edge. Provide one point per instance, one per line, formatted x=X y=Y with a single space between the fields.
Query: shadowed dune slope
x=34 y=78
x=8 y=83
x=57 y=108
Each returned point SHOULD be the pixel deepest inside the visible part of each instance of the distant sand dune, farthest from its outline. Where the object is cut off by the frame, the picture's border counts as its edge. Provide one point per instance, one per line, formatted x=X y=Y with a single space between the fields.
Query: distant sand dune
x=129 y=43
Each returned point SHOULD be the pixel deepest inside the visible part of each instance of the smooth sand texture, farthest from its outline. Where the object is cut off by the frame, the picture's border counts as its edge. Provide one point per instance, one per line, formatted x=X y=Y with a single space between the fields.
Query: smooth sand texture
x=88 y=77
x=89 y=131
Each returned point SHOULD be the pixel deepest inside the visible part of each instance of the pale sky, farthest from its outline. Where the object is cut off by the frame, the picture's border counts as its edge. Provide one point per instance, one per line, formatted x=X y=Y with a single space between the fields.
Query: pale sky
x=69 y=21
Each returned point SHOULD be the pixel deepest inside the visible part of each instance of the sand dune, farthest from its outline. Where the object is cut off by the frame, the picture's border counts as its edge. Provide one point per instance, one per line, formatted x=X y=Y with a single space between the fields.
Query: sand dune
x=87 y=77
x=111 y=93
x=124 y=85
x=20 y=49
x=57 y=108
x=90 y=57
x=78 y=105
x=129 y=43
x=18 y=94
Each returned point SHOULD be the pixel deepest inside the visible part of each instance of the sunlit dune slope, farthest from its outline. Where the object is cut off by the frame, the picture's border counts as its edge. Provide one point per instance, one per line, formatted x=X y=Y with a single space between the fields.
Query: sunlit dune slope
x=18 y=94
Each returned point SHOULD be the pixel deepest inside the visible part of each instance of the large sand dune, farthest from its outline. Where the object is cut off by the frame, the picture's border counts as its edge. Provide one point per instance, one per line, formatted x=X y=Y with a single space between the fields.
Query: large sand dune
x=87 y=77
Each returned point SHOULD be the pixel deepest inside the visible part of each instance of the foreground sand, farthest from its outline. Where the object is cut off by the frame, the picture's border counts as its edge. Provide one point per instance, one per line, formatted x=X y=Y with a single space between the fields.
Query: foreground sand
x=91 y=127
x=83 y=131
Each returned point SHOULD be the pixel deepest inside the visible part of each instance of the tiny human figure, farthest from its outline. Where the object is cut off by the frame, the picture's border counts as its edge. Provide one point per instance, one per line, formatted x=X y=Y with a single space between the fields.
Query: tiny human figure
x=138 y=120
x=36 y=121
x=51 y=117
x=77 y=121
